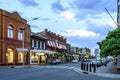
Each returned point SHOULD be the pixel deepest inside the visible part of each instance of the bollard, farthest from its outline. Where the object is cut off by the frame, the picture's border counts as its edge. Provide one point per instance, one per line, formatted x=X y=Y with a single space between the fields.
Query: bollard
x=90 y=67
x=94 y=68
x=81 y=66
x=84 y=66
x=87 y=67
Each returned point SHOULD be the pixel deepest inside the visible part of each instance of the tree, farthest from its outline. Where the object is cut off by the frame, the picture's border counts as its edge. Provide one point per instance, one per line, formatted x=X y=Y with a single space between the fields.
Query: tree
x=111 y=44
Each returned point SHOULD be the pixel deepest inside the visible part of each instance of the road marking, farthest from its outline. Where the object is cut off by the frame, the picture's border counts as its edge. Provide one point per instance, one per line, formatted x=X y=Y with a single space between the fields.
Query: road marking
x=62 y=67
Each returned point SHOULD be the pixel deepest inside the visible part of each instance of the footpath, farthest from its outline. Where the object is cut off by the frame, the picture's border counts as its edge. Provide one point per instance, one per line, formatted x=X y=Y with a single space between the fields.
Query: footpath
x=106 y=71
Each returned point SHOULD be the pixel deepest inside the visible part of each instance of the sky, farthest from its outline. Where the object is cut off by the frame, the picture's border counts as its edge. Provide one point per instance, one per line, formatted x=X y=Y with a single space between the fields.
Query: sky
x=82 y=22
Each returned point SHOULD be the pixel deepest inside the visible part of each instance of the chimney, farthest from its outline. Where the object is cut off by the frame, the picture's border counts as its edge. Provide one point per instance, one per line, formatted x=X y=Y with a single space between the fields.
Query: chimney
x=46 y=30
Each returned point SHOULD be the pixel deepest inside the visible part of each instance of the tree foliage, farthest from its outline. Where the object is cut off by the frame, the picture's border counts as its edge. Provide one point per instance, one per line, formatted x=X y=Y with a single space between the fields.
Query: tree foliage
x=111 y=44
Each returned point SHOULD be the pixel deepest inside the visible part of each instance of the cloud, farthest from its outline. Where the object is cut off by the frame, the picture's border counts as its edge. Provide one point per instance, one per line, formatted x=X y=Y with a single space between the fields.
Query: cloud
x=90 y=42
x=112 y=24
x=84 y=38
x=81 y=4
x=97 y=28
x=57 y=7
x=79 y=33
x=67 y=14
x=98 y=5
x=28 y=3
x=89 y=8
x=35 y=26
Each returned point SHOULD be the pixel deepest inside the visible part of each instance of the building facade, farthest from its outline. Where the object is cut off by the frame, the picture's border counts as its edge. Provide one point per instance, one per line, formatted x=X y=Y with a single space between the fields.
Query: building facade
x=12 y=50
x=38 y=53
x=86 y=52
x=68 y=48
x=55 y=42
x=56 y=45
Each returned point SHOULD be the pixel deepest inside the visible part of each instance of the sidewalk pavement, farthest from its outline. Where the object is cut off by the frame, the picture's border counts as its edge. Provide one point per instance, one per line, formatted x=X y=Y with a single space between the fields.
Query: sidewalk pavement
x=106 y=71
x=110 y=68
x=21 y=66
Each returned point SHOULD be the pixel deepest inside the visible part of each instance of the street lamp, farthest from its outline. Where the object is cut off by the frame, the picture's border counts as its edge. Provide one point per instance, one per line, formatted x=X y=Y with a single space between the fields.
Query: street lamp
x=23 y=28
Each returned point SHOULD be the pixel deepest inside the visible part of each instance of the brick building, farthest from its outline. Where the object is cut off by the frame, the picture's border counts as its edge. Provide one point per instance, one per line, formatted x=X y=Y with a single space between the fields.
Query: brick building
x=55 y=42
x=12 y=27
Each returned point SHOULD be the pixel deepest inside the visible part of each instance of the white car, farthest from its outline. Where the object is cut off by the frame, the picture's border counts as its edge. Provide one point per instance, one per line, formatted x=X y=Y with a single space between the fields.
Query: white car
x=96 y=62
x=74 y=61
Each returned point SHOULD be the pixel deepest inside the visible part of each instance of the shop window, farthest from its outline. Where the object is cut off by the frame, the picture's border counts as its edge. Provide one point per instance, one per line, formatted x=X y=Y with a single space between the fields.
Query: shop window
x=10 y=55
x=10 y=31
x=20 y=57
x=34 y=58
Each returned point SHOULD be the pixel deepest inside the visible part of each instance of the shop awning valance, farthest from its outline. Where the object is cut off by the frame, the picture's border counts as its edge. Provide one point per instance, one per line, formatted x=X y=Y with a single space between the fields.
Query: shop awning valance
x=34 y=50
x=44 y=51
x=21 y=49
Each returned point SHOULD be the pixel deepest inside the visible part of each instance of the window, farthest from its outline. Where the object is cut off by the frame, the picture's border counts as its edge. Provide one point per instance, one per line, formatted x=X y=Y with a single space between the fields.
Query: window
x=39 y=45
x=32 y=43
x=20 y=57
x=35 y=43
x=20 y=34
x=42 y=45
x=10 y=55
x=10 y=31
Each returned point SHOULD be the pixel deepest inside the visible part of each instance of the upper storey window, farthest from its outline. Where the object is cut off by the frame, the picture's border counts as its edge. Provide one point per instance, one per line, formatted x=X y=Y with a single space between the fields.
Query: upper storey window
x=10 y=31
x=20 y=34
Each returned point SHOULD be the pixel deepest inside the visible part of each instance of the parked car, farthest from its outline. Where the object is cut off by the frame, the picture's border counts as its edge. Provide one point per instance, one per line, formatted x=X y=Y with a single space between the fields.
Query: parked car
x=74 y=61
x=86 y=60
x=58 y=61
x=96 y=62
x=55 y=61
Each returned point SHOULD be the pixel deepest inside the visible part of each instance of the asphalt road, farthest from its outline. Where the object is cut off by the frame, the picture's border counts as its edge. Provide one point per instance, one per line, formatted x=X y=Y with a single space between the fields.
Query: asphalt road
x=55 y=72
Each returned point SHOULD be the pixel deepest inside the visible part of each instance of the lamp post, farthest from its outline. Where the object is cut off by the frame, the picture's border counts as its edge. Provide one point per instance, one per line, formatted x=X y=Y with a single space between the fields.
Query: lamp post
x=23 y=28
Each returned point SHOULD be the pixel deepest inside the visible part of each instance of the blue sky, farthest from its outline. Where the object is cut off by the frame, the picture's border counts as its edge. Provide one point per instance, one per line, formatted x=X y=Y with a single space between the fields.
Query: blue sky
x=82 y=22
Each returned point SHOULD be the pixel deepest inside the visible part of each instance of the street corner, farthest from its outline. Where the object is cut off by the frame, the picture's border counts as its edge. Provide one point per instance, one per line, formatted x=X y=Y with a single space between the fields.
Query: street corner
x=108 y=75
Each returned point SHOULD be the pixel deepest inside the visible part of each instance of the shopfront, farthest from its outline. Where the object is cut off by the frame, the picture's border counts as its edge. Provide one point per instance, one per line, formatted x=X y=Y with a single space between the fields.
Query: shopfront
x=10 y=56
x=22 y=55
x=37 y=57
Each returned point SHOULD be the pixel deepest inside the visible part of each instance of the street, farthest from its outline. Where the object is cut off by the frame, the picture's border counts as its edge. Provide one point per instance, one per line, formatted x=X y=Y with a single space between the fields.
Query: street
x=49 y=72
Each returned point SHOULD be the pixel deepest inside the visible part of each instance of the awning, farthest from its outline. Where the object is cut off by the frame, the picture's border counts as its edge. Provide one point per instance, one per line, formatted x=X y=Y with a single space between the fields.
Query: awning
x=21 y=49
x=42 y=51
x=34 y=50
x=54 y=44
x=51 y=43
x=48 y=43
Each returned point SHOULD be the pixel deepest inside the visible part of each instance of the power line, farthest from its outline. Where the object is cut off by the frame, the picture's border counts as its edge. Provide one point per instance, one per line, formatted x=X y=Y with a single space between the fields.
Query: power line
x=111 y=16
